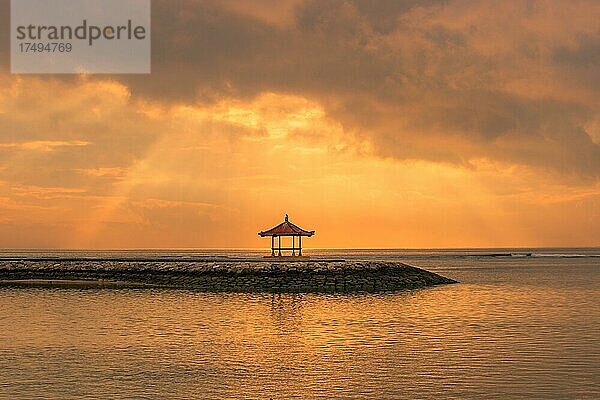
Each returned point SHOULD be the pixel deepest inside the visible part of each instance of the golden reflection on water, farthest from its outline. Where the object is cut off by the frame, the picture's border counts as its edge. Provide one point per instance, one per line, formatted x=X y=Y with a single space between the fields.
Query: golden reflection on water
x=503 y=333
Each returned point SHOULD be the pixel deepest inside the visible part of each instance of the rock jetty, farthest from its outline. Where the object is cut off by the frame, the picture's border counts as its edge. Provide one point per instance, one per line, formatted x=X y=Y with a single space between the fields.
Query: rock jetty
x=223 y=275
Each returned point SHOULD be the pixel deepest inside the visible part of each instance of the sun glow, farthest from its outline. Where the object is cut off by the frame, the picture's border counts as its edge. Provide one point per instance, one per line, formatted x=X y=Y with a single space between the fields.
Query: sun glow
x=125 y=172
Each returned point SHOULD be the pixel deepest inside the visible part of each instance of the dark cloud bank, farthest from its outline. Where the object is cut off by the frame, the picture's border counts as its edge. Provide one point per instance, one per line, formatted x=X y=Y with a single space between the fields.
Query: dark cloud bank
x=432 y=80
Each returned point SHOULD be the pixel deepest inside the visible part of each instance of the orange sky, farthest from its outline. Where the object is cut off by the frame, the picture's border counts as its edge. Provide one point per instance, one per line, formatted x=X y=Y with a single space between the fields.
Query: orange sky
x=445 y=124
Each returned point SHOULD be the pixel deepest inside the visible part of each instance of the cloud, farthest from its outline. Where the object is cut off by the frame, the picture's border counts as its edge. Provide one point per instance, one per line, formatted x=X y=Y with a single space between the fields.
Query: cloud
x=442 y=81
x=42 y=145
x=510 y=81
x=50 y=129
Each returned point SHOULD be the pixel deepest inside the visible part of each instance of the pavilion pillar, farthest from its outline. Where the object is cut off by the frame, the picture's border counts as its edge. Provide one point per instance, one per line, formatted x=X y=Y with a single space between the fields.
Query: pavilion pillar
x=272 y=246
x=300 y=245
x=279 y=242
x=293 y=246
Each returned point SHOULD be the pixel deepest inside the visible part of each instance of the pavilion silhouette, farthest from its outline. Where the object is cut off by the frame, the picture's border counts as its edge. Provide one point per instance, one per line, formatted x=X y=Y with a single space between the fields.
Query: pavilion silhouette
x=286 y=228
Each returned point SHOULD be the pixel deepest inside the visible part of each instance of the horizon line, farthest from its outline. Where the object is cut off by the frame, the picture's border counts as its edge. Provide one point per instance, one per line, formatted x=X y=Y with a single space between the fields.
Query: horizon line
x=308 y=248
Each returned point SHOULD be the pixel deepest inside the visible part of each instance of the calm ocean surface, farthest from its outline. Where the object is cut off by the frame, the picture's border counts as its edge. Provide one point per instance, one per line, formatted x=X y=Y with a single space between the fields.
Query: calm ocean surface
x=514 y=327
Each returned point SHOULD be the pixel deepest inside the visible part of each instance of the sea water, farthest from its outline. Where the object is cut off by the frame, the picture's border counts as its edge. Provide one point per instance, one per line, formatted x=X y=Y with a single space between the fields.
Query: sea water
x=521 y=323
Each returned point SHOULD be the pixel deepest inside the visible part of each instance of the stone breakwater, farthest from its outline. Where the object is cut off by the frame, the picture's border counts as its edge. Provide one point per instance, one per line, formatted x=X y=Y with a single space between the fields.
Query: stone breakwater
x=227 y=276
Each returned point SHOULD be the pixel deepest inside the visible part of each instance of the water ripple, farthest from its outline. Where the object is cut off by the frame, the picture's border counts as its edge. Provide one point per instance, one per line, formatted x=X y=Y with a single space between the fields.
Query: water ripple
x=513 y=328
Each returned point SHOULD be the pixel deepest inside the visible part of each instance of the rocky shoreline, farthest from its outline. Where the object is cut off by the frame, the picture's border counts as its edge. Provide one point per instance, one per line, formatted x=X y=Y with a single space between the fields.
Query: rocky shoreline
x=260 y=275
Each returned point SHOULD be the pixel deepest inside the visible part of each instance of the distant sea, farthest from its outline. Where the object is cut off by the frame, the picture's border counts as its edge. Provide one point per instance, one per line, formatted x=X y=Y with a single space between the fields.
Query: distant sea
x=522 y=323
